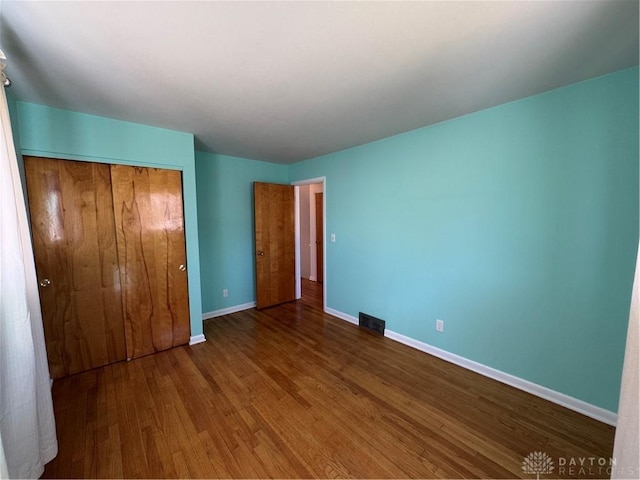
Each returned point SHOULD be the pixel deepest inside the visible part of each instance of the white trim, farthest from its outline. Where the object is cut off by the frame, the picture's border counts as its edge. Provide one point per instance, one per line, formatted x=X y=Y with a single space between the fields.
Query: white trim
x=311 y=181
x=296 y=207
x=312 y=278
x=554 y=396
x=228 y=310
x=341 y=316
x=197 y=339
x=580 y=406
x=325 y=253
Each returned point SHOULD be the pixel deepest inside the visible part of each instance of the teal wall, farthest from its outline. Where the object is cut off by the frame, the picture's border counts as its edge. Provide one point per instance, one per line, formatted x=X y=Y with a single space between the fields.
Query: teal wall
x=225 y=217
x=52 y=132
x=516 y=225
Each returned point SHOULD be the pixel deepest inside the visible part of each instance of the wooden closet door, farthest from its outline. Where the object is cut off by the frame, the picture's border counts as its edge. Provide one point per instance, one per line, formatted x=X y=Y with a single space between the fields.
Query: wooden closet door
x=151 y=247
x=74 y=244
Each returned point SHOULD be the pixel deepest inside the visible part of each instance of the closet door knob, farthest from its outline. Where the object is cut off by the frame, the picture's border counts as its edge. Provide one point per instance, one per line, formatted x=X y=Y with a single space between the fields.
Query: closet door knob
x=182 y=268
x=45 y=282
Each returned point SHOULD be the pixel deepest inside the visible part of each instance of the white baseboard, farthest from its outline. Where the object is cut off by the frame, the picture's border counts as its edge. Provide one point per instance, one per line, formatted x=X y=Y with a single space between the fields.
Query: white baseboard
x=228 y=310
x=197 y=339
x=580 y=406
x=312 y=278
x=341 y=316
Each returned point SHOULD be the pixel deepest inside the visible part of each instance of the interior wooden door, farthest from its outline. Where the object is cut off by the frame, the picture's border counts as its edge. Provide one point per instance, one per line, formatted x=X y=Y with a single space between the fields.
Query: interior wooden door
x=151 y=247
x=76 y=259
x=274 y=244
x=319 y=238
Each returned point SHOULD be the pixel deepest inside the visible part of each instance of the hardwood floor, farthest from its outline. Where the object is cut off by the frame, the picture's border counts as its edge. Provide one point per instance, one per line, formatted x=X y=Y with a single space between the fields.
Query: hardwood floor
x=291 y=392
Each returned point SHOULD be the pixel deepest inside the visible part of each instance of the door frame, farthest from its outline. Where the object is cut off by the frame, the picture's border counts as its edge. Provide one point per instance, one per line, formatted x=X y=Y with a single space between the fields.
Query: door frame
x=297 y=184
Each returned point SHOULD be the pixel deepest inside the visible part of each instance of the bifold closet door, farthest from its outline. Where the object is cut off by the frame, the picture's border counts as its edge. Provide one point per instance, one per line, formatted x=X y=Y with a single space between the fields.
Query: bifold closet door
x=74 y=242
x=151 y=248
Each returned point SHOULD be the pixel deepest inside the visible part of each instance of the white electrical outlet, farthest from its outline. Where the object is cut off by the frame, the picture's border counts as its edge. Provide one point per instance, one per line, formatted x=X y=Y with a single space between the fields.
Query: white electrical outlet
x=225 y=293
x=333 y=238
x=439 y=325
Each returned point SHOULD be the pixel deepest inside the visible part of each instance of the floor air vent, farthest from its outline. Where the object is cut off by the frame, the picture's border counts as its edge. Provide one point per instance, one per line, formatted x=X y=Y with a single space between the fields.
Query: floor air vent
x=371 y=323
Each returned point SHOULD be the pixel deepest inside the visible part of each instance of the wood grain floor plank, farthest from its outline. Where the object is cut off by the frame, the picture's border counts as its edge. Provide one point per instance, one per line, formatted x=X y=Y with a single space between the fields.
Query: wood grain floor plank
x=290 y=392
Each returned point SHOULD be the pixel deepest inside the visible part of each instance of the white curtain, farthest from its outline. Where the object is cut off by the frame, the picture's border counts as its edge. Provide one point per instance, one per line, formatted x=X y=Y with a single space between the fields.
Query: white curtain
x=626 y=449
x=27 y=426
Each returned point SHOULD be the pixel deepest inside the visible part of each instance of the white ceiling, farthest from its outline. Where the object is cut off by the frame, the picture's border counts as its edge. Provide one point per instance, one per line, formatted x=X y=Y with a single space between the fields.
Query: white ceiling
x=286 y=81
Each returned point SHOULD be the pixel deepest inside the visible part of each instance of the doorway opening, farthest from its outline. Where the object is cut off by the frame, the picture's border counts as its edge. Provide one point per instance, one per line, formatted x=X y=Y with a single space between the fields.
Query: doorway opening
x=310 y=201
